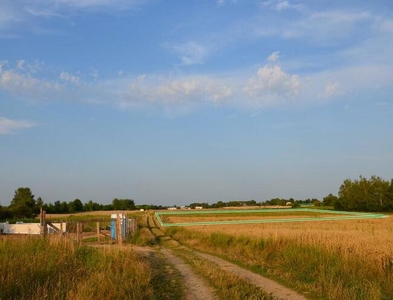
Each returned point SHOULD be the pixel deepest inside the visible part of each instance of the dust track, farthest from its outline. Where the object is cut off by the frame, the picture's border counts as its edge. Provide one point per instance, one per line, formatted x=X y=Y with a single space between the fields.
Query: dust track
x=268 y=285
x=197 y=287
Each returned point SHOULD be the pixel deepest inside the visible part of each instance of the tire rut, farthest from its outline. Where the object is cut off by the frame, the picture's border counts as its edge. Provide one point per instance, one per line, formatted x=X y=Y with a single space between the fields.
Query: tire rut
x=197 y=286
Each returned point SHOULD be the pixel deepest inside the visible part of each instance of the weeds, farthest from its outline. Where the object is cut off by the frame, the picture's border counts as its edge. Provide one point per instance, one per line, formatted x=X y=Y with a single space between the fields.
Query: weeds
x=329 y=263
x=36 y=268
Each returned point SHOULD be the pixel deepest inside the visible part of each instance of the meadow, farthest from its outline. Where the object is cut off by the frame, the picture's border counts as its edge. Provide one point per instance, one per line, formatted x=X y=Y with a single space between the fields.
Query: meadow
x=57 y=268
x=344 y=259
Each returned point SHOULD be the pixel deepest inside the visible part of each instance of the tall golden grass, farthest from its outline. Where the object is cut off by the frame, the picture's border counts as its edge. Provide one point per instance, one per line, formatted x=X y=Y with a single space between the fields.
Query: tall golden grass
x=328 y=259
x=54 y=268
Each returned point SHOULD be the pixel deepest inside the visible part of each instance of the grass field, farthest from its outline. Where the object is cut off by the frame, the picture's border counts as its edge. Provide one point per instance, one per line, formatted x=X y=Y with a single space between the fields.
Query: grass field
x=216 y=217
x=57 y=268
x=341 y=259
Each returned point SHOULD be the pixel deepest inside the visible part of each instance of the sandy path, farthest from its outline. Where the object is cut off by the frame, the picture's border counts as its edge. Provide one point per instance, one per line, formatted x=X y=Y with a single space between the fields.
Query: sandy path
x=268 y=285
x=196 y=287
x=199 y=289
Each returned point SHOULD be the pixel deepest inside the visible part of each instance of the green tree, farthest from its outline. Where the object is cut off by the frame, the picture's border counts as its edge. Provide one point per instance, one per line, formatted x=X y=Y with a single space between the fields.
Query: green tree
x=364 y=195
x=329 y=200
x=5 y=213
x=23 y=204
x=38 y=205
x=75 y=206
x=123 y=204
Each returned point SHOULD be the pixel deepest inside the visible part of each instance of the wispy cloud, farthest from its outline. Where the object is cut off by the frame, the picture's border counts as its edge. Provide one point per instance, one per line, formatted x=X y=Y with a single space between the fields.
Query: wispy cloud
x=331 y=90
x=19 y=14
x=274 y=56
x=191 y=53
x=279 y=5
x=328 y=27
x=69 y=78
x=8 y=126
x=22 y=84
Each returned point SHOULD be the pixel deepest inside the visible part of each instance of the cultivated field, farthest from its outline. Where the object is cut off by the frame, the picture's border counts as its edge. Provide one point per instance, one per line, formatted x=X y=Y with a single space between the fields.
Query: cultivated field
x=344 y=259
x=319 y=258
x=216 y=217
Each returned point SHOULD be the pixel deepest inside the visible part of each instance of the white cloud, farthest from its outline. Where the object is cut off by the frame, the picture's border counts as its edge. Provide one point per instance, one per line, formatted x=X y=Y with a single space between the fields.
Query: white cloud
x=191 y=53
x=274 y=56
x=9 y=126
x=16 y=14
x=69 y=78
x=328 y=27
x=178 y=92
x=21 y=84
x=99 y=3
x=272 y=82
x=279 y=5
x=20 y=64
x=331 y=90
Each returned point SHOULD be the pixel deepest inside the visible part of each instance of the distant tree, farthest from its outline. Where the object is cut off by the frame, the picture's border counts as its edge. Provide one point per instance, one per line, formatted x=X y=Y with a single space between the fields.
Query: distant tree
x=107 y=207
x=49 y=208
x=75 y=206
x=88 y=206
x=39 y=203
x=57 y=207
x=78 y=205
x=92 y=206
x=123 y=204
x=316 y=202
x=202 y=204
x=5 y=213
x=329 y=200
x=365 y=195
x=23 y=203
x=63 y=207
x=71 y=207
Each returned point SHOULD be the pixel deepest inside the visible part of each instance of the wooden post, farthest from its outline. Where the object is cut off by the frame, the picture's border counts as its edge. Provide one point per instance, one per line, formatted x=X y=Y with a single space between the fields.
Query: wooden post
x=98 y=232
x=119 y=235
x=61 y=228
x=42 y=222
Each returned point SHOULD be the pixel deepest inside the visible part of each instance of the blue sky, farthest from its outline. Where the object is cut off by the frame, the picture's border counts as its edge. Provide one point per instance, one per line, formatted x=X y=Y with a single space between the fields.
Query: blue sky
x=175 y=102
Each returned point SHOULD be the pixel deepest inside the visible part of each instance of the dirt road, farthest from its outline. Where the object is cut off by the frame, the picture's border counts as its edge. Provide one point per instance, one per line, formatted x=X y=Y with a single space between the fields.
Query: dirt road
x=199 y=288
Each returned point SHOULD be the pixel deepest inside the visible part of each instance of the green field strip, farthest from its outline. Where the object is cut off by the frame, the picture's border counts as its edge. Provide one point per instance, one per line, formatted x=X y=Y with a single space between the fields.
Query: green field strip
x=343 y=216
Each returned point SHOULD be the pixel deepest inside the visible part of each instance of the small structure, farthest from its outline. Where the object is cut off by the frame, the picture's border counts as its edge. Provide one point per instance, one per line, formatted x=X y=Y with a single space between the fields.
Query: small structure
x=31 y=228
x=122 y=227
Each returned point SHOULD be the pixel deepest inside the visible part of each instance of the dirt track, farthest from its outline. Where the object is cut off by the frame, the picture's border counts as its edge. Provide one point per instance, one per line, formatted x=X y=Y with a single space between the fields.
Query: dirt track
x=199 y=289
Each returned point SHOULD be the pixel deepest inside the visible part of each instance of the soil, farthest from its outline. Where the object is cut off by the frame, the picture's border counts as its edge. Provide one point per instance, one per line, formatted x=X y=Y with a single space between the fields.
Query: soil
x=197 y=288
x=268 y=285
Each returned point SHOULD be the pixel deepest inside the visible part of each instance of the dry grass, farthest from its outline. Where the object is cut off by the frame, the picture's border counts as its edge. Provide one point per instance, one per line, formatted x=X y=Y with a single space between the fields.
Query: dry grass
x=349 y=259
x=371 y=240
x=54 y=268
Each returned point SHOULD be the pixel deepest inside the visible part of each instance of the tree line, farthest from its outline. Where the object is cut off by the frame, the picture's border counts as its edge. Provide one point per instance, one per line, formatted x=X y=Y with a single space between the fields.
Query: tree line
x=24 y=205
x=374 y=194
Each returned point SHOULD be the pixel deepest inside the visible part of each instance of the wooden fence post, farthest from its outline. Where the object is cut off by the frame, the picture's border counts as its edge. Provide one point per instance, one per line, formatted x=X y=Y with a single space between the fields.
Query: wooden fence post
x=42 y=222
x=119 y=235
